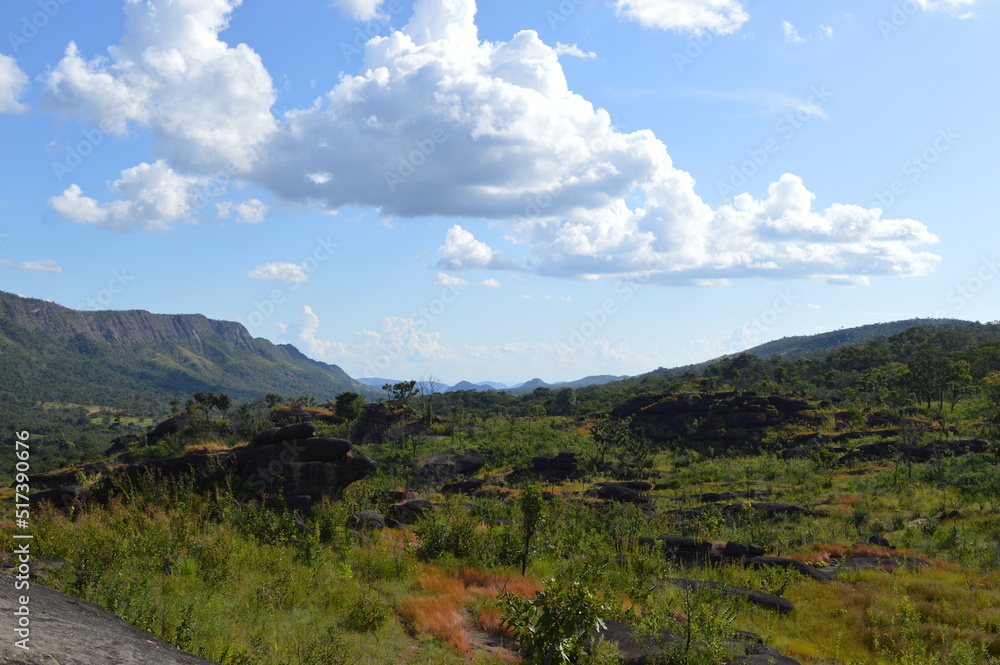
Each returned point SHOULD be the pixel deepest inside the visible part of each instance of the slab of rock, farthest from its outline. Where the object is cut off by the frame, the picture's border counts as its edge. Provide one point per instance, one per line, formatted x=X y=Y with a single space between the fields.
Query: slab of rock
x=467 y=486
x=784 y=562
x=64 y=497
x=759 y=598
x=274 y=435
x=411 y=511
x=619 y=492
x=455 y=466
x=69 y=631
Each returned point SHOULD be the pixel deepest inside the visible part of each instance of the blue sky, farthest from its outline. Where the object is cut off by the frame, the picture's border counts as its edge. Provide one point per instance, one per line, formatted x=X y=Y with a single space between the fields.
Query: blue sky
x=508 y=190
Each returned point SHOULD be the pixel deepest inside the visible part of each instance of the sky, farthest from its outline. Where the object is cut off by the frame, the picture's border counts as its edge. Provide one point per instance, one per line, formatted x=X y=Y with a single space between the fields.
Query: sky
x=504 y=190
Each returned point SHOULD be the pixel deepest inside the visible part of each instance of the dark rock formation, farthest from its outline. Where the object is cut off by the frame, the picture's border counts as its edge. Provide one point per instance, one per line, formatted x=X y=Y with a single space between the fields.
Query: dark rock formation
x=759 y=598
x=69 y=631
x=467 y=486
x=315 y=467
x=287 y=433
x=366 y=520
x=411 y=511
x=170 y=426
x=64 y=497
x=122 y=443
x=620 y=492
x=456 y=466
x=784 y=562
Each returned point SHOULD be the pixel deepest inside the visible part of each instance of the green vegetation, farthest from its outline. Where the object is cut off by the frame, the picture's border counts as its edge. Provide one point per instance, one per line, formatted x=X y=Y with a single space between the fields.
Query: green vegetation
x=532 y=560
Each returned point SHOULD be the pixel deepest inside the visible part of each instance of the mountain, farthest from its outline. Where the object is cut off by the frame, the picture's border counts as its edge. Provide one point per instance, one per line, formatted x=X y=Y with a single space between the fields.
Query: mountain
x=530 y=386
x=828 y=341
x=481 y=386
x=50 y=353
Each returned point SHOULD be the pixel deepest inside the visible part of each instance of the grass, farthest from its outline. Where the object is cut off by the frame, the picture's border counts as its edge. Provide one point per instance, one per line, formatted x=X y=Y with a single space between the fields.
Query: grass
x=240 y=584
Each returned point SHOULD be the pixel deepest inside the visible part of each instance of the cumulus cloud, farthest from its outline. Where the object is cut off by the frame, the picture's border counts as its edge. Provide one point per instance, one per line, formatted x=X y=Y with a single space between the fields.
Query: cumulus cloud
x=207 y=102
x=151 y=197
x=285 y=272
x=444 y=279
x=461 y=251
x=41 y=265
x=697 y=16
x=491 y=283
x=439 y=123
x=13 y=83
x=397 y=342
x=251 y=211
x=360 y=10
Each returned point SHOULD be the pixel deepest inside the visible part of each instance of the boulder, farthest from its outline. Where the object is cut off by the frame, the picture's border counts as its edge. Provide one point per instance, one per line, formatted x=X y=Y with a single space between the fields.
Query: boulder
x=64 y=497
x=411 y=511
x=294 y=432
x=617 y=492
x=170 y=426
x=74 y=632
x=467 y=486
x=366 y=520
x=456 y=466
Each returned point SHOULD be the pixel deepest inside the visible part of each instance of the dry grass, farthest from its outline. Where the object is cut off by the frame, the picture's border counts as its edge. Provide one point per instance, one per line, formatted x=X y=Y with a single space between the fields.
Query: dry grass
x=491 y=585
x=437 y=617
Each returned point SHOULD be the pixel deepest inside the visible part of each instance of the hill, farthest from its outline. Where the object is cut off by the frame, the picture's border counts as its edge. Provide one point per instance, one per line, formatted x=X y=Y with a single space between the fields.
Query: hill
x=55 y=354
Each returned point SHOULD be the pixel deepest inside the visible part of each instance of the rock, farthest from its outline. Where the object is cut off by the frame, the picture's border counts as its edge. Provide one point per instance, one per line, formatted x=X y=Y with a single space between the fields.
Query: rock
x=784 y=562
x=759 y=598
x=617 y=492
x=879 y=541
x=411 y=511
x=64 y=497
x=122 y=443
x=366 y=520
x=630 y=650
x=878 y=563
x=39 y=564
x=467 y=486
x=439 y=469
x=74 y=632
x=170 y=426
x=389 y=496
x=771 y=509
x=788 y=403
x=294 y=432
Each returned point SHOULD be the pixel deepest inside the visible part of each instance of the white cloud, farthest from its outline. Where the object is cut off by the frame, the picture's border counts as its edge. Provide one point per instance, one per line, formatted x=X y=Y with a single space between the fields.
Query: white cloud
x=461 y=251
x=360 y=10
x=444 y=279
x=13 y=83
x=697 y=16
x=42 y=265
x=285 y=272
x=958 y=8
x=151 y=197
x=491 y=283
x=441 y=124
x=251 y=211
x=207 y=102
x=397 y=342
x=791 y=34
x=574 y=51
x=826 y=30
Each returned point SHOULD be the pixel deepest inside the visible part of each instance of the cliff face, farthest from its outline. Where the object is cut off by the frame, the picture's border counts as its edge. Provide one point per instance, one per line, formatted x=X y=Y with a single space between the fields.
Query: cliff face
x=120 y=328
x=53 y=353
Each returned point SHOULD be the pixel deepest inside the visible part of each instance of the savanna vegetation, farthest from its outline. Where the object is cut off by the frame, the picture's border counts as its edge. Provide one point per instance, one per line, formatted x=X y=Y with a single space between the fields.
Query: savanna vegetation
x=529 y=564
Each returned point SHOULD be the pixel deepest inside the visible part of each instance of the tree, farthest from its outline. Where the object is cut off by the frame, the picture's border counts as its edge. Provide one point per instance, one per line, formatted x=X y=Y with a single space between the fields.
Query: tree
x=222 y=402
x=348 y=405
x=401 y=392
x=565 y=402
x=532 y=505
x=609 y=435
x=959 y=381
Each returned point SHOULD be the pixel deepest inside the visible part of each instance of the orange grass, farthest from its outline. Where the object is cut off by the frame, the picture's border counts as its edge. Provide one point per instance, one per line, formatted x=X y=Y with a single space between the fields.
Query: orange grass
x=437 y=617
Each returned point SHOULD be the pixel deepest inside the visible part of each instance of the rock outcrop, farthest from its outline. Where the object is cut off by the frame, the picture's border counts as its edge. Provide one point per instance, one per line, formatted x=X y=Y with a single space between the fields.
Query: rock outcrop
x=69 y=631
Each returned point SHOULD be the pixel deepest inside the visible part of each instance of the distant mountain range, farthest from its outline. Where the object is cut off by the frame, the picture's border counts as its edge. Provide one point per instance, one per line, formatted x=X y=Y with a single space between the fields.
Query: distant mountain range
x=518 y=389
x=50 y=353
